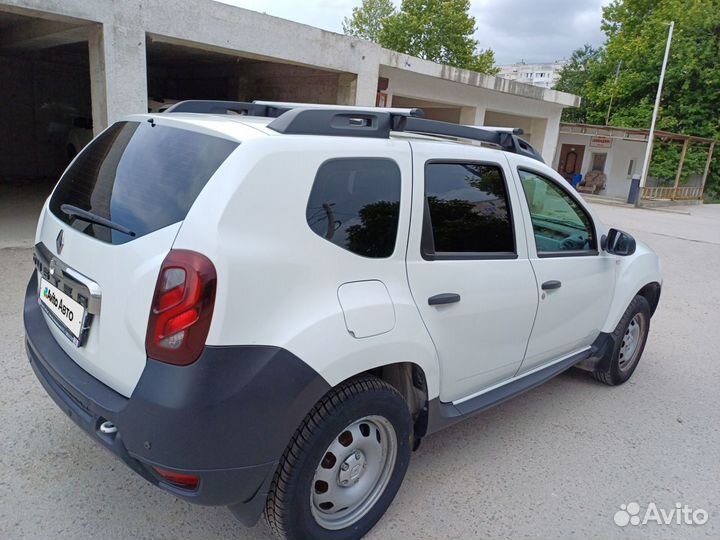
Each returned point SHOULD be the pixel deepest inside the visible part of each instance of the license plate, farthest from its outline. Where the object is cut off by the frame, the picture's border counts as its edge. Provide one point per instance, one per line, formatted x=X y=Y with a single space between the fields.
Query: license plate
x=65 y=311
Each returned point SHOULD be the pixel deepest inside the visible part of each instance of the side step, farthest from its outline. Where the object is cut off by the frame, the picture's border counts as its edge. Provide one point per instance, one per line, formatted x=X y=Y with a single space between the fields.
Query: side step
x=442 y=414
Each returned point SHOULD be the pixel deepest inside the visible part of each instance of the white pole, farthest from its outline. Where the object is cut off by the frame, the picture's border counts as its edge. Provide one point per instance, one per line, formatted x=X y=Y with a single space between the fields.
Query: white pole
x=651 y=135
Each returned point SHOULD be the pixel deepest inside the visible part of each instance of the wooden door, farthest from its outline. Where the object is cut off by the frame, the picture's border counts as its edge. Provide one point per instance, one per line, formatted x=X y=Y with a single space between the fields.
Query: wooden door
x=571 y=158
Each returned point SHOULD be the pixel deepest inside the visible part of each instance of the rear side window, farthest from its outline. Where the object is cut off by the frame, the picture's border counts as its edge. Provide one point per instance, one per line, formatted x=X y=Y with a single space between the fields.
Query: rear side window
x=467 y=212
x=355 y=204
x=140 y=176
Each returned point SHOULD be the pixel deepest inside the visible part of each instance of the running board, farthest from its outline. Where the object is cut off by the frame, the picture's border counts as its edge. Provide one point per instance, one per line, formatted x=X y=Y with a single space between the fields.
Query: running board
x=440 y=414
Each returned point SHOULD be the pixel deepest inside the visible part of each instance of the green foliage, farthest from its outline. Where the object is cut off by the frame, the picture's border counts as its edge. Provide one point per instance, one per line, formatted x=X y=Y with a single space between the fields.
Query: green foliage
x=636 y=32
x=574 y=77
x=367 y=19
x=437 y=30
x=375 y=235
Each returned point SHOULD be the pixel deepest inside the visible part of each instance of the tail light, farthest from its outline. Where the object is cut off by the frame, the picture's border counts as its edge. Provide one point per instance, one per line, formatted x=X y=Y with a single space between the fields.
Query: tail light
x=186 y=481
x=182 y=308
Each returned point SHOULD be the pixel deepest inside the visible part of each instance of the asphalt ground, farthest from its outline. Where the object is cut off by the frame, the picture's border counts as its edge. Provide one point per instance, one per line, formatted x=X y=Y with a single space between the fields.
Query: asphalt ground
x=556 y=462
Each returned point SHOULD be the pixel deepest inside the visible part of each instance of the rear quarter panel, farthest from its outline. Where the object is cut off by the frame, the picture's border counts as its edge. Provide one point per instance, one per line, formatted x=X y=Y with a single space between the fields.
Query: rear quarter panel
x=278 y=281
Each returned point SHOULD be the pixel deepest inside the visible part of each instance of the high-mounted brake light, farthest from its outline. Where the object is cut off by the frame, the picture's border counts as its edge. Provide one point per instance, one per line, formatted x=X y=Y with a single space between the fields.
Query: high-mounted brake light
x=182 y=308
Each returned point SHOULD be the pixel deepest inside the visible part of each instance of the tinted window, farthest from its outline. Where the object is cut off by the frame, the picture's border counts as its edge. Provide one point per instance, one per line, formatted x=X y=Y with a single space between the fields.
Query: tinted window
x=355 y=204
x=469 y=209
x=139 y=176
x=559 y=223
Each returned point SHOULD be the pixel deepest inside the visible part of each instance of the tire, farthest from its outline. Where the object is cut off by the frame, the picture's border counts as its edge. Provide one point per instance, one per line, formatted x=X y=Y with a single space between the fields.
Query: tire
x=630 y=336
x=309 y=474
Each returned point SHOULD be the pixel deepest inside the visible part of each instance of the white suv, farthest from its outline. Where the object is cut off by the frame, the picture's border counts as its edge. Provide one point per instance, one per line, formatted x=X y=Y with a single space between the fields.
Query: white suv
x=269 y=310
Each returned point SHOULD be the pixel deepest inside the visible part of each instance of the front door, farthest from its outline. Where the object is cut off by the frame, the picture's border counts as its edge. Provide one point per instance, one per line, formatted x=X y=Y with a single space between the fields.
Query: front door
x=576 y=281
x=468 y=268
x=571 y=158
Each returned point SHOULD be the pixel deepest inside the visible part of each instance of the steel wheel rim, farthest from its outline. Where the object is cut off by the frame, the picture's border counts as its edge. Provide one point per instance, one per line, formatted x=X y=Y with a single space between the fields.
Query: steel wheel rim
x=353 y=472
x=631 y=341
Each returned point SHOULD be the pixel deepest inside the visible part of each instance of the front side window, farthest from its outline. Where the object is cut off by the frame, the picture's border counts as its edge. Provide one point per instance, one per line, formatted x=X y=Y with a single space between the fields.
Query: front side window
x=560 y=225
x=468 y=211
x=355 y=204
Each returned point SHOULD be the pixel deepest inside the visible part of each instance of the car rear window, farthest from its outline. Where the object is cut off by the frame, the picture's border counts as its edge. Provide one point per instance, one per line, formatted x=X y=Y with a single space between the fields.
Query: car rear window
x=138 y=175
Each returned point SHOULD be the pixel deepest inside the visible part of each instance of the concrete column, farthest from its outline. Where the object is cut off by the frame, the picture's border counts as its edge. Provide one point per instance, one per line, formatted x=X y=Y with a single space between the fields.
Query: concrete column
x=347 y=89
x=550 y=137
x=366 y=87
x=472 y=116
x=118 y=72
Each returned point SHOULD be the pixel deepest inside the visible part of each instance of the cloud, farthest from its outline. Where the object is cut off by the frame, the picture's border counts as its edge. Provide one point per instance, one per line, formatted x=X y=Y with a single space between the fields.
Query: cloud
x=536 y=31
x=530 y=30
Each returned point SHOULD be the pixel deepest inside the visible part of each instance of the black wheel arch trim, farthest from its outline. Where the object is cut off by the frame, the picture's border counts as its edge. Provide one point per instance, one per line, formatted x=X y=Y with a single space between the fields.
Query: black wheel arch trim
x=228 y=417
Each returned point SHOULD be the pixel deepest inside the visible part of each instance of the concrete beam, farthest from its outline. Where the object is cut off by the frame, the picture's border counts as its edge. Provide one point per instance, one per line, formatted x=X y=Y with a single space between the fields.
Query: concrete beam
x=70 y=11
x=41 y=34
x=225 y=28
x=409 y=63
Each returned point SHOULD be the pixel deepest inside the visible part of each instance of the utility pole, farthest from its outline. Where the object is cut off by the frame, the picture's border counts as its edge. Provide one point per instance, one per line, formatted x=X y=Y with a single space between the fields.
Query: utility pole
x=651 y=135
x=612 y=95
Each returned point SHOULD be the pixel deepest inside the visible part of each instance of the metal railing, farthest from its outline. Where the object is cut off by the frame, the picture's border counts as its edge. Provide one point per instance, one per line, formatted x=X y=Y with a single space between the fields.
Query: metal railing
x=674 y=193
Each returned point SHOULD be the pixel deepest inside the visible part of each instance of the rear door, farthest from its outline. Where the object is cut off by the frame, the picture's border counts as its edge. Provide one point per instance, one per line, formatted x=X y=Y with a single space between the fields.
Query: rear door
x=468 y=267
x=576 y=280
x=143 y=177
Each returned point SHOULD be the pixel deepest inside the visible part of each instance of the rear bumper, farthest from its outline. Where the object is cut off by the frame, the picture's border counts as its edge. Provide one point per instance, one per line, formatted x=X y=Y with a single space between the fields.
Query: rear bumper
x=226 y=418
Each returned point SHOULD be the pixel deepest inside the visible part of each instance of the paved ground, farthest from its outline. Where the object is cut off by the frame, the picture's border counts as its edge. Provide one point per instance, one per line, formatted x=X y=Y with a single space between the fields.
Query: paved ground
x=20 y=205
x=554 y=463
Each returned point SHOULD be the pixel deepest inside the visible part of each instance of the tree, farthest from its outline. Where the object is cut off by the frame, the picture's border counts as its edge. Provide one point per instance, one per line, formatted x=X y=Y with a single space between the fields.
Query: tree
x=367 y=19
x=575 y=77
x=437 y=30
x=635 y=32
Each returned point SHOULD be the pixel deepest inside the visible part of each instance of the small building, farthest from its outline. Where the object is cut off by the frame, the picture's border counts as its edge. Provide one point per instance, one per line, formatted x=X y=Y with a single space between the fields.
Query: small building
x=618 y=154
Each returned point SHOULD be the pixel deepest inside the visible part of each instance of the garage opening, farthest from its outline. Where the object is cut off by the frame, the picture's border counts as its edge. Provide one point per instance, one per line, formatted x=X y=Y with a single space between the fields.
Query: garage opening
x=46 y=110
x=534 y=128
x=433 y=109
x=180 y=71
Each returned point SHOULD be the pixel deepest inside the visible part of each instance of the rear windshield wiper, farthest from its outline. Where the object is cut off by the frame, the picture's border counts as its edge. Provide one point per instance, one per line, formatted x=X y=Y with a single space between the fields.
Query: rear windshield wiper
x=74 y=211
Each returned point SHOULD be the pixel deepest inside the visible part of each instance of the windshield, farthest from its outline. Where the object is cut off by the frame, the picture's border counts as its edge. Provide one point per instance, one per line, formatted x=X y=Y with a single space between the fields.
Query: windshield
x=141 y=176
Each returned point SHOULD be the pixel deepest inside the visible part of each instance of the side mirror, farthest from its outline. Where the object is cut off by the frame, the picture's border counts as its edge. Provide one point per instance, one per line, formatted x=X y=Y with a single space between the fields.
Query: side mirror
x=619 y=242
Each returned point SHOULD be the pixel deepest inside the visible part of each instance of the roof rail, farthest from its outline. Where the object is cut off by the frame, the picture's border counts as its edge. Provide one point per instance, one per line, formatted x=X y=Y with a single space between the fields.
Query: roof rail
x=272 y=109
x=513 y=130
x=348 y=121
x=393 y=110
x=245 y=108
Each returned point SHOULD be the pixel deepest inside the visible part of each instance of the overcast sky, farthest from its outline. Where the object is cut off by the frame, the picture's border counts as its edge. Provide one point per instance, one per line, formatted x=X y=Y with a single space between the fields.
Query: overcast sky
x=530 y=30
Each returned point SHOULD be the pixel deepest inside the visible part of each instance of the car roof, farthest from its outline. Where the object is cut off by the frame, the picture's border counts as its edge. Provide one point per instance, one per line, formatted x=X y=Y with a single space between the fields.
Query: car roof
x=242 y=128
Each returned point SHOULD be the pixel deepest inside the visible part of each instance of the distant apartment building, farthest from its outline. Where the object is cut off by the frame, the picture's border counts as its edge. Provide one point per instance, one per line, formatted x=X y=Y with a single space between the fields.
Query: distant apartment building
x=543 y=75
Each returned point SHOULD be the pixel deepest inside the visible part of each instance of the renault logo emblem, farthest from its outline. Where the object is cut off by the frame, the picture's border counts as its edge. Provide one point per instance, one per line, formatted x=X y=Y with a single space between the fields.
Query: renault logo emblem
x=59 y=242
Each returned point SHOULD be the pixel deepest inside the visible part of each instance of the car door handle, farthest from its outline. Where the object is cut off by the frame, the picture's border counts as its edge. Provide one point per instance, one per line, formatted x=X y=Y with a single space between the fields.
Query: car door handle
x=552 y=284
x=444 y=298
